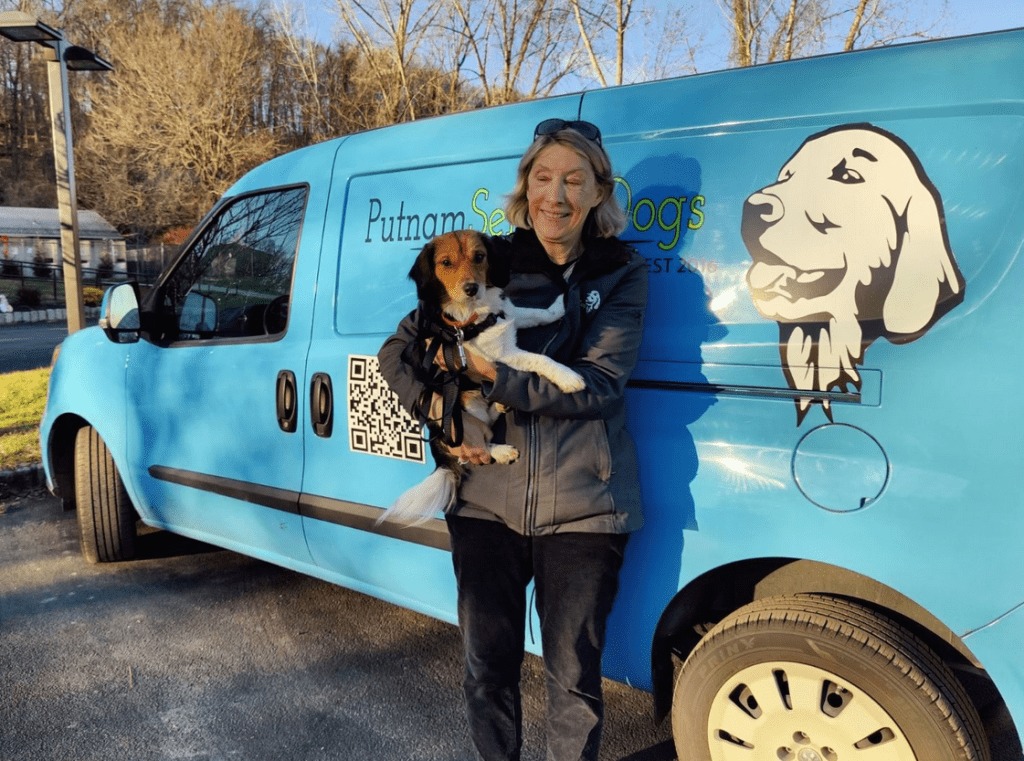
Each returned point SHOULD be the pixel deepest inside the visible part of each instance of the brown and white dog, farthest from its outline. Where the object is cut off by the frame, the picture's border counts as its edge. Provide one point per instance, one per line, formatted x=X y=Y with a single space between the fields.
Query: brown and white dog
x=457 y=282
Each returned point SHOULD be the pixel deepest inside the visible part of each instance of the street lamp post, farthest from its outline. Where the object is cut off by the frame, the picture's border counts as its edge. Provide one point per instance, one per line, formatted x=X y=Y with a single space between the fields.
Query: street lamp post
x=60 y=56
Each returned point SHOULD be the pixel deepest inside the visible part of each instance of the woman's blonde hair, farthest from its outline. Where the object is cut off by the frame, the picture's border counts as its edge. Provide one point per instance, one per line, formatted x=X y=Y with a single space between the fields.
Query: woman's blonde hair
x=606 y=219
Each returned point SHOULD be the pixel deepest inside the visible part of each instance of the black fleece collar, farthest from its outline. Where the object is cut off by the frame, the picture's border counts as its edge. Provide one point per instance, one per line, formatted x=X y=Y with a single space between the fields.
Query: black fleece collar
x=600 y=255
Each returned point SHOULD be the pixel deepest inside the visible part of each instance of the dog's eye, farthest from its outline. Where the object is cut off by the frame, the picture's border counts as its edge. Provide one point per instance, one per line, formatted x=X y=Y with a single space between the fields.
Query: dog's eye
x=445 y=263
x=478 y=258
x=842 y=173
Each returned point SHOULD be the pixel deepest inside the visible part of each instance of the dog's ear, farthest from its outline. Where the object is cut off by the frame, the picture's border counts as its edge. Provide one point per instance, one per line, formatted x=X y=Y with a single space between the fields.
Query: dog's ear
x=927 y=282
x=422 y=272
x=499 y=263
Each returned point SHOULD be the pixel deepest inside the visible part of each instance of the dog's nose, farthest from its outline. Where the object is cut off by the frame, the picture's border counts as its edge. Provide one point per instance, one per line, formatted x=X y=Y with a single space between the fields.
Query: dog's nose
x=760 y=212
x=765 y=205
x=470 y=289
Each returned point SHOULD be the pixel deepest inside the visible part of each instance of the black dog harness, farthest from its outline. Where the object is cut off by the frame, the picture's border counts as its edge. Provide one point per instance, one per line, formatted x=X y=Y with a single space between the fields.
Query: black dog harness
x=435 y=335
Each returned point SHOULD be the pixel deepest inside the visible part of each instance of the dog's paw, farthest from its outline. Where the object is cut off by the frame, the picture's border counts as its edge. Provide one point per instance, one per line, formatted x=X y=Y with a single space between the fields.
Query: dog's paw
x=503 y=454
x=569 y=381
x=557 y=310
x=500 y=408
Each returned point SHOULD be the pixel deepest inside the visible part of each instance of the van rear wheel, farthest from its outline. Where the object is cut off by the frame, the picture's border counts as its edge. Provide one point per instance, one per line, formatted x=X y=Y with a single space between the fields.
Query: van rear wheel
x=813 y=678
x=106 y=518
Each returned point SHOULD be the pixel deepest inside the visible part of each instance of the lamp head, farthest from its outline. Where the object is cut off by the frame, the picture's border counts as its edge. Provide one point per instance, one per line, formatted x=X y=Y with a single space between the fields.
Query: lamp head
x=22 y=27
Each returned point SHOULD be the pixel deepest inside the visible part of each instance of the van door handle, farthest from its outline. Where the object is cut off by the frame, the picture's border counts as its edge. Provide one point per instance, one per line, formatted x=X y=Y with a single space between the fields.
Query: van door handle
x=287 y=401
x=321 y=405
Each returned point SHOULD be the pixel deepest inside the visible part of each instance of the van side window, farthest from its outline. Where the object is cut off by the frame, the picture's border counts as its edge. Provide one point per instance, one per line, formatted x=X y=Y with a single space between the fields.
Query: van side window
x=236 y=278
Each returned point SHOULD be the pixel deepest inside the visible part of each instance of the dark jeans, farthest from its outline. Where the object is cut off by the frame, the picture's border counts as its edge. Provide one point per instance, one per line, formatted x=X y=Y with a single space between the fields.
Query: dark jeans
x=576 y=577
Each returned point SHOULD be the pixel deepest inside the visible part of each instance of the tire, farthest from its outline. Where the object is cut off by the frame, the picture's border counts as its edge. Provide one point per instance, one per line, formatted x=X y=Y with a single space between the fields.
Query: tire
x=813 y=678
x=106 y=518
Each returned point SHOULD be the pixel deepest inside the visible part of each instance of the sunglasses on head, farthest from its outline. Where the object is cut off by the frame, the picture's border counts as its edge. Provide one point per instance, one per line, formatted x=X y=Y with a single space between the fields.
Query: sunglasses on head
x=551 y=126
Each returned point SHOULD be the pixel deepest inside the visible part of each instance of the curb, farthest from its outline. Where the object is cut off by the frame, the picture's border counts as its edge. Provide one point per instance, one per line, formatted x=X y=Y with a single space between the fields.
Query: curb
x=44 y=315
x=25 y=477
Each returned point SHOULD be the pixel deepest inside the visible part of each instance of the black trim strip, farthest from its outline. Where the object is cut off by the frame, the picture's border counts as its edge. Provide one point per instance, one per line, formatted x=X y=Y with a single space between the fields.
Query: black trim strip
x=434 y=533
x=766 y=392
x=268 y=496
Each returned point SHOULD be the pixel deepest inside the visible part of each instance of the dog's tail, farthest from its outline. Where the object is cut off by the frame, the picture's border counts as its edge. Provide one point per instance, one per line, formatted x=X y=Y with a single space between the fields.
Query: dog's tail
x=436 y=493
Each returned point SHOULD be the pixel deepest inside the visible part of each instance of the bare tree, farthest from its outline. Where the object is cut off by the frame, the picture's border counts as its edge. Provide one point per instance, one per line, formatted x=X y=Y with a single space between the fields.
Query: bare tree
x=671 y=46
x=181 y=120
x=870 y=23
x=774 y=30
x=763 y=31
x=303 y=57
x=26 y=157
x=520 y=49
x=390 y=34
x=599 y=16
x=26 y=161
x=664 y=47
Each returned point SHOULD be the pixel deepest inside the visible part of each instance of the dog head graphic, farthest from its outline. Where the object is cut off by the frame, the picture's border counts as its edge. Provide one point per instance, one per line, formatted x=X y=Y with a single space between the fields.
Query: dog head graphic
x=849 y=244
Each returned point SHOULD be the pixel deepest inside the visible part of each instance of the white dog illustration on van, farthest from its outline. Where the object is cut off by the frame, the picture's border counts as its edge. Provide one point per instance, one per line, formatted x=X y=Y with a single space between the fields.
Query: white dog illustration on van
x=848 y=245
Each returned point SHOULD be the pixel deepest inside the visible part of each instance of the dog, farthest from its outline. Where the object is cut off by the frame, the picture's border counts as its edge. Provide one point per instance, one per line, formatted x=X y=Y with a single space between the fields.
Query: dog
x=848 y=245
x=464 y=310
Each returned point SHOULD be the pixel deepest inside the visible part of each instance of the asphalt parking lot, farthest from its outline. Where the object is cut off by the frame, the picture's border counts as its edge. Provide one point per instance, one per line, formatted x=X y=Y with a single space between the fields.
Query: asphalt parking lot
x=191 y=652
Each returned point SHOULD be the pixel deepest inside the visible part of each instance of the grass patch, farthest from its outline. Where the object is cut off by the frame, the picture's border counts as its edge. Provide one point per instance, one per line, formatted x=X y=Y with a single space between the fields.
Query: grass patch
x=22 y=401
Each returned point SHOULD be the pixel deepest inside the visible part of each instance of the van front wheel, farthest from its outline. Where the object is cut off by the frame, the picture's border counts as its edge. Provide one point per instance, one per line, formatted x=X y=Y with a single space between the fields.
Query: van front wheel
x=814 y=678
x=106 y=518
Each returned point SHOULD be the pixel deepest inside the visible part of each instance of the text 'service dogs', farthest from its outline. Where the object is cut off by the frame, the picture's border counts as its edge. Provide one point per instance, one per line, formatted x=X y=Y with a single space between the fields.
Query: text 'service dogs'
x=463 y=311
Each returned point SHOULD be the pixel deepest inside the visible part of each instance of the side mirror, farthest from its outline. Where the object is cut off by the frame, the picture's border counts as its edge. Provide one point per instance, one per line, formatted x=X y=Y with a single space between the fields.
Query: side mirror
x=198 y=316
x=120 y=313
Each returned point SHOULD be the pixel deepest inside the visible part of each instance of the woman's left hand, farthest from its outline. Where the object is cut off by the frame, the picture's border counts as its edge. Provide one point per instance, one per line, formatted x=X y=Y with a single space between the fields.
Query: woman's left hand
x=478 y=368
x=470 y=454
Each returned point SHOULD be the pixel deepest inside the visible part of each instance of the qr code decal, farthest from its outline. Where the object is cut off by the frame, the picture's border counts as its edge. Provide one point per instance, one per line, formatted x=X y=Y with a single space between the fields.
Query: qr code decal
x=377 y=423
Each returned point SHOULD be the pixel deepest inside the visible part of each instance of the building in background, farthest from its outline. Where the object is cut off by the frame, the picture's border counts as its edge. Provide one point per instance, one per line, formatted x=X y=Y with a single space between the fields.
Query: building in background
x=31 y=235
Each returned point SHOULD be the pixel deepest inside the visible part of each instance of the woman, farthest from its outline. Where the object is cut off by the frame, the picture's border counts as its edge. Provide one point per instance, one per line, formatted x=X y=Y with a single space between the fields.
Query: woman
x=561 y=514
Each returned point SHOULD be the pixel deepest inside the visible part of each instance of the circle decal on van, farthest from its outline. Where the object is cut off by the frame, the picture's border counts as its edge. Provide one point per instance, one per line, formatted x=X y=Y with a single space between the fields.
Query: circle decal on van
x=840 y=467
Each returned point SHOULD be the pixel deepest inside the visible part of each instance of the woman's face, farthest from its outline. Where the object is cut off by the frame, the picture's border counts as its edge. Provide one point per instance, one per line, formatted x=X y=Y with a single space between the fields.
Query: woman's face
x=560 y=191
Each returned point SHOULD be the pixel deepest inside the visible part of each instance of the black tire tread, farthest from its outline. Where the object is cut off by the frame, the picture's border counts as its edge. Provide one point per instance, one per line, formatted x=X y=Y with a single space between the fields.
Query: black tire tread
x=866 y=630
x=106 y=519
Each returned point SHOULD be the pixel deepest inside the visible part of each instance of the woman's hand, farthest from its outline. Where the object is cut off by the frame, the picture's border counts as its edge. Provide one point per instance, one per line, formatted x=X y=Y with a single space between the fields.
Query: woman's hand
x=471 y=454
x=473 y=448
x=477 y=367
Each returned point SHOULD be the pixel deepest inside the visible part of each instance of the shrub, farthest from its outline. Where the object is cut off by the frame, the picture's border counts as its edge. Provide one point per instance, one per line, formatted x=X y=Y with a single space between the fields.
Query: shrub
x=28 y=297
x=41 y=266
x=11 y=268
x=105 y=269
x=91 y=296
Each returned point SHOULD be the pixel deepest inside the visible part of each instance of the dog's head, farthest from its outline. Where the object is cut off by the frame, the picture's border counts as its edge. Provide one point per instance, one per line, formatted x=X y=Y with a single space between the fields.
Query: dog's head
x=847 y=245
x=453 y=269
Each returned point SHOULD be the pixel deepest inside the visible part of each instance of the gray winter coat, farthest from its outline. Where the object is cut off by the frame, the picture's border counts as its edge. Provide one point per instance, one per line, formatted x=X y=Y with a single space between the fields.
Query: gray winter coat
x=577 y=469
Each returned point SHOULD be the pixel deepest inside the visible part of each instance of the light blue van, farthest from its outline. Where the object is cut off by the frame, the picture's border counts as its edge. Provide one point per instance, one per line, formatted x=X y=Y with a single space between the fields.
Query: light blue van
x=827 y=407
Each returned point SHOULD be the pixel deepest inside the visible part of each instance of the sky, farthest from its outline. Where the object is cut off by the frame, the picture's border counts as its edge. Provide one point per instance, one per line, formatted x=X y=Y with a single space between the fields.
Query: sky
x=970 y=16
x=963 y=17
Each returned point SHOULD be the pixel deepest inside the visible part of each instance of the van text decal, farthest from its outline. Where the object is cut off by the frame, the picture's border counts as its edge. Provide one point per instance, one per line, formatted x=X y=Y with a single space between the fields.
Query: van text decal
x=848 y=245
x=416 y=226
x=681 y=265
x=670 y=217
